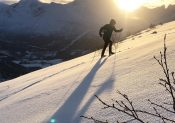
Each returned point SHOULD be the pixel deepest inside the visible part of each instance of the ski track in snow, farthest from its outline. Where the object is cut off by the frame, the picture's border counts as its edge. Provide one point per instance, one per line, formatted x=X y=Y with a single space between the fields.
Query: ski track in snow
x=4 y=88
x=30 y=85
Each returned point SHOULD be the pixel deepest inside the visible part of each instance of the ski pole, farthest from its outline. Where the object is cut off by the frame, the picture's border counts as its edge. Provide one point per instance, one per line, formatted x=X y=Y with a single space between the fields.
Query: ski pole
x=94 y=55
x=117 y=42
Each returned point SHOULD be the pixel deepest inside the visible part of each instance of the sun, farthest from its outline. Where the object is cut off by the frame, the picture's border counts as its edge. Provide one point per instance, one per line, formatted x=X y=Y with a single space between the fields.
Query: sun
x=129 y=5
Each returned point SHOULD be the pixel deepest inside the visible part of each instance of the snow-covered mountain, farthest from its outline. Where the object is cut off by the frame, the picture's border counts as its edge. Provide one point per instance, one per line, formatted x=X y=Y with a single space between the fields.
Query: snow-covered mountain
x=46 y=31
x=34 y=34
x=68 y=20
x=63 y=92
x=34 y=17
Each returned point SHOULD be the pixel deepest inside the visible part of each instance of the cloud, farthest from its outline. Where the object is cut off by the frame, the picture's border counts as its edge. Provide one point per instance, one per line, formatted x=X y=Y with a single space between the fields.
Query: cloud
x=9 y=1
x=46 y=1
x=56 y=1
x=147 y=3
x=157 y=3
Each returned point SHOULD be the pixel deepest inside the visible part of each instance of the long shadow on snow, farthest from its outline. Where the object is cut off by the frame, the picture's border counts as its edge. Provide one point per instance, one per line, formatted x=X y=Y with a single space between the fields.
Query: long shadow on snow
x=107 y=84
x=67 y=111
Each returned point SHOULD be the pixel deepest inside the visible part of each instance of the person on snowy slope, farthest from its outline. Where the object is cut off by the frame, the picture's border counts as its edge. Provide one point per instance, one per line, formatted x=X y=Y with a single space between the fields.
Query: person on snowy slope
x=106 y=33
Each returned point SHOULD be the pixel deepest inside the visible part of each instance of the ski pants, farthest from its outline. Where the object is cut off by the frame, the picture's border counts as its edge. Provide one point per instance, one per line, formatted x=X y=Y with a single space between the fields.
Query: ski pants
x=107 y=42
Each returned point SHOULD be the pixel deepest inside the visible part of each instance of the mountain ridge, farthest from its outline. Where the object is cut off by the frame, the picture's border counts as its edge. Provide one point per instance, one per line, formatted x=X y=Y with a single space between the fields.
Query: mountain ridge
x=49 y=28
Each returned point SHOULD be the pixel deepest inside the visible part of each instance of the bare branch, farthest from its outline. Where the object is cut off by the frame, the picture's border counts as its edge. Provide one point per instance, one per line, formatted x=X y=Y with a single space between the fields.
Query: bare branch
x=155 y=115
x=120 y=110
x=160 y=106
x=126 y=106
x=159 y=115
x=95 y=121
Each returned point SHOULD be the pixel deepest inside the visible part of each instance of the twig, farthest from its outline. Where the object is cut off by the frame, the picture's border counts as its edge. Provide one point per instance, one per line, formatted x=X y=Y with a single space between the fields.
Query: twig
x=125 y=111
x=95 y=121
x=160 y=106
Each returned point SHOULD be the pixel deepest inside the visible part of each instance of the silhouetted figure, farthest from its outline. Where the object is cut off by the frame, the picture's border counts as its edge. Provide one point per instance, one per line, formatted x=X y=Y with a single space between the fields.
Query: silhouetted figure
x=106 y=33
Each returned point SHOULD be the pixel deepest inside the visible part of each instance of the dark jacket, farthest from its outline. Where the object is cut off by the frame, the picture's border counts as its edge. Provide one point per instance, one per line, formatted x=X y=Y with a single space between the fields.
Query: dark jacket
x=107 y=30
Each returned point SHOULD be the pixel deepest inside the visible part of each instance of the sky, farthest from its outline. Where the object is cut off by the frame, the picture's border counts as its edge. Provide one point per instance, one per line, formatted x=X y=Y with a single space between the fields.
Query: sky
x=148 y=3
x=57 y=1
x=155 y=3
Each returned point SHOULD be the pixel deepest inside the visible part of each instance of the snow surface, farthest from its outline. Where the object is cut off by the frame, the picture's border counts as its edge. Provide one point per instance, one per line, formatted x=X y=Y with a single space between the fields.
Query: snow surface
x=66 y=90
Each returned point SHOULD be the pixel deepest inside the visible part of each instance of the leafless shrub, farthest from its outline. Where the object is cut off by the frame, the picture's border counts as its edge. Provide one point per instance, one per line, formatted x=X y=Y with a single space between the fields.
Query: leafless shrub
x=128 y=108
x=167 y=83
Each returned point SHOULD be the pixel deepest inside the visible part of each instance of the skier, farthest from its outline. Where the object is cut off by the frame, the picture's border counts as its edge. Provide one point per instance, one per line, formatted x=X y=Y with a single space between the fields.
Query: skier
x=106 y=33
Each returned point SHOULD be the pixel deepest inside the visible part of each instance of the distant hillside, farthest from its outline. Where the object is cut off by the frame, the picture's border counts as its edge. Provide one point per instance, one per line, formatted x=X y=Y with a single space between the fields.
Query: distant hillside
x=34 y=34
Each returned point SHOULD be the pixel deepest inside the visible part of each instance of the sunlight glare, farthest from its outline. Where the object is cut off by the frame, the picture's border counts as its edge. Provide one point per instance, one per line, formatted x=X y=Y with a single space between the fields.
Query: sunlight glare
x=129 y=5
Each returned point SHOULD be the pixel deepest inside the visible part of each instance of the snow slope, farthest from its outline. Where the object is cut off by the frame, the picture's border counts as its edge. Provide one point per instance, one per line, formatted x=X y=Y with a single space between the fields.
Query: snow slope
x=66 y=91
